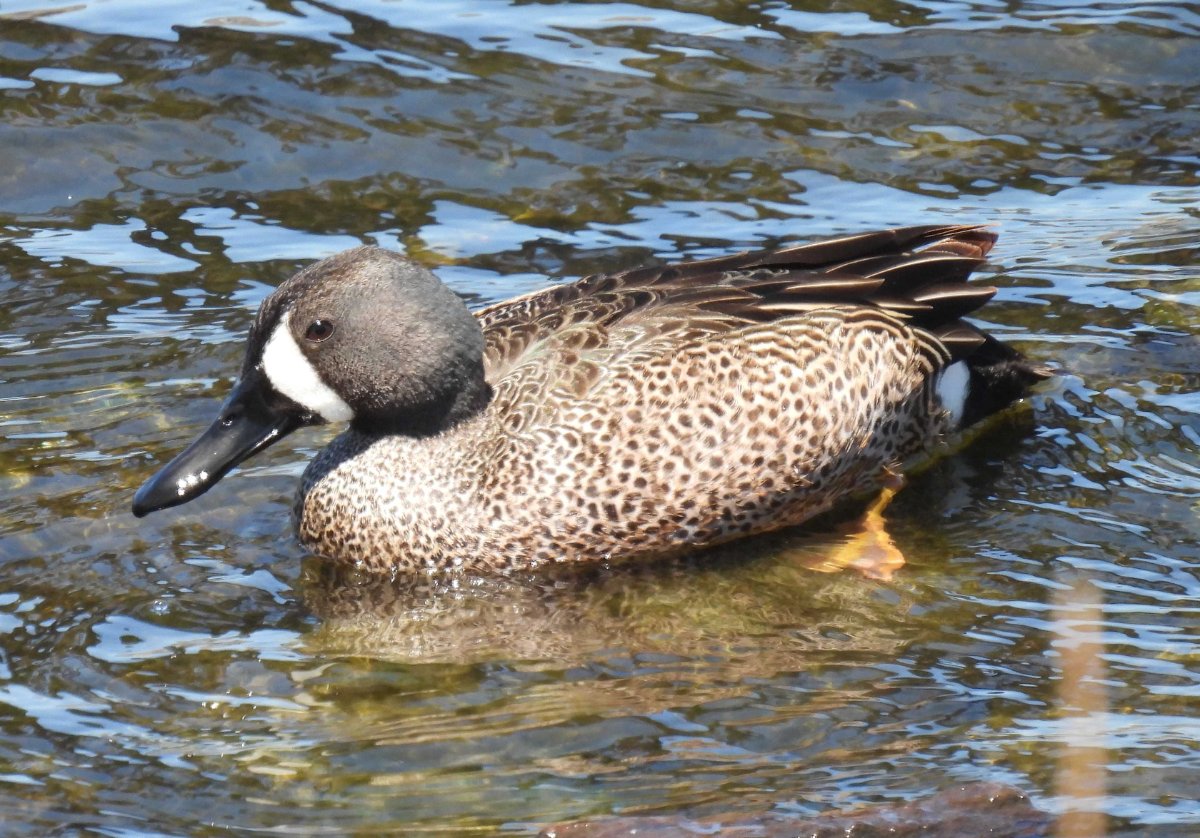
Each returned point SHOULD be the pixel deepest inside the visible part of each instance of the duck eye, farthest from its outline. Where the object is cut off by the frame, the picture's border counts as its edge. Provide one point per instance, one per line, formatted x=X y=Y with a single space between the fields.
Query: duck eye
x=318 y=330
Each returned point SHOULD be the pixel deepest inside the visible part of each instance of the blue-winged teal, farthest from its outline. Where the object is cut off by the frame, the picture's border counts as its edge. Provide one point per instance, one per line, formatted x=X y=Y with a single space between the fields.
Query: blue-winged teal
x=639 y=413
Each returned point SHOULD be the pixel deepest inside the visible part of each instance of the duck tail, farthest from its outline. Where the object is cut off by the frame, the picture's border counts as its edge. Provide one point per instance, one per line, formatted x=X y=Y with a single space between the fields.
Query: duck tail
x=998 y=376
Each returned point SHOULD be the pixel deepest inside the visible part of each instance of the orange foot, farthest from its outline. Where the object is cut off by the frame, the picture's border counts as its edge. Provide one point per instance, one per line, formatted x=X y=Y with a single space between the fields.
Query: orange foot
x=866 y=546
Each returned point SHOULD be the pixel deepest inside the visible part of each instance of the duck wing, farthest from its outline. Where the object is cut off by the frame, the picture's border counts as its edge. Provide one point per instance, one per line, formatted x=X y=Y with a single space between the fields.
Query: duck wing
x=919 y=273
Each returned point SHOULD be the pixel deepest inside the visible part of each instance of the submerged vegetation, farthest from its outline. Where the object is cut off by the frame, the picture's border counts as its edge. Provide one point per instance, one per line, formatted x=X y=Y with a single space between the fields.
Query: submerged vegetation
x=165 y=166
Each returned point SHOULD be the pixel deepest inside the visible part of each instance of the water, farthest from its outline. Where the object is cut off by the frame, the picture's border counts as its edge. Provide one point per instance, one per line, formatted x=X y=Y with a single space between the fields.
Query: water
x=162 y=166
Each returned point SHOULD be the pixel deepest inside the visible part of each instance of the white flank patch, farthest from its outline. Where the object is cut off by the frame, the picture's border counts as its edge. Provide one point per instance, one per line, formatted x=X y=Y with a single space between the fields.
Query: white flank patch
x=291 y=374
x=952 y=388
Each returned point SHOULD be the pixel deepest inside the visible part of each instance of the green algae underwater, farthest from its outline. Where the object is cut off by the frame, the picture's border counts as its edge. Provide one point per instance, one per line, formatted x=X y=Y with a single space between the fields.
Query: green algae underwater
x=164 y=166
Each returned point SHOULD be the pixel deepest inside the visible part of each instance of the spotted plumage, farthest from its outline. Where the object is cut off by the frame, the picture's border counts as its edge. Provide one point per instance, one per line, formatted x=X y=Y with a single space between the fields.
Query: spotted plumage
x=641 y=413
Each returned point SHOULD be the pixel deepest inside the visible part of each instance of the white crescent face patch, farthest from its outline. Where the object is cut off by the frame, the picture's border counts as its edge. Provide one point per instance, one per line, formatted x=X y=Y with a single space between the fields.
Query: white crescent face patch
x=293 y=375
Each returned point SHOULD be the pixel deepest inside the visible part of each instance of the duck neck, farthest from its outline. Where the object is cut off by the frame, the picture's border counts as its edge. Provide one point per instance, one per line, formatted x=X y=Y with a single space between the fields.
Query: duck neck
x=434 y=416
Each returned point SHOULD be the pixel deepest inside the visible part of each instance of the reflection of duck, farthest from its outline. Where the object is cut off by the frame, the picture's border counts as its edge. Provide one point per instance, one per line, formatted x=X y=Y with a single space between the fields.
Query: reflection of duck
x=744 y=596
x=644 y=412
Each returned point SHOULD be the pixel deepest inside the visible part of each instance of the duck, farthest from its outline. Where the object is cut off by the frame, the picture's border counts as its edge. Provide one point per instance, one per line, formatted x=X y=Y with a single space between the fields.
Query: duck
x=644 y=413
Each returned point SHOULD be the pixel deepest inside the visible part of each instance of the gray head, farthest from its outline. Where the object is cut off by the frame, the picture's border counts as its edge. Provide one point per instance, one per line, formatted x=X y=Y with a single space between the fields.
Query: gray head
x=366 y=336
x=370 y=337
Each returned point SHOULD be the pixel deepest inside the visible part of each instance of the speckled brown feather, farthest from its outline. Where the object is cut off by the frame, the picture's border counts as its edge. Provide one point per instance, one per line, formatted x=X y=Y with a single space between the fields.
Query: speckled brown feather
x=662 y=409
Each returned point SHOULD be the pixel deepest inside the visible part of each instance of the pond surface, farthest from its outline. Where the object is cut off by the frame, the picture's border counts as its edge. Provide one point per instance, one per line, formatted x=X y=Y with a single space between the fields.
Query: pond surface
x=163 y=165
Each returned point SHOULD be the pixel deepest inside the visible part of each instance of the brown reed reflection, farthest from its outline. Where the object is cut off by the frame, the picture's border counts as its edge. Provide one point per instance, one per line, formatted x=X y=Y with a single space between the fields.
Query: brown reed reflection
x=1079 y=779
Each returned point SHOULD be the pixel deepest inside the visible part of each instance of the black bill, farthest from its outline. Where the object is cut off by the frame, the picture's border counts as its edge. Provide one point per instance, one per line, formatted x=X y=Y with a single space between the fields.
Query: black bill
x=249 y=421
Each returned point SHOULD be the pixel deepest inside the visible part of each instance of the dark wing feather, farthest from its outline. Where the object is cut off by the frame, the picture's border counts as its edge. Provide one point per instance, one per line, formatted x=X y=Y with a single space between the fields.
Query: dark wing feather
x=880 y=270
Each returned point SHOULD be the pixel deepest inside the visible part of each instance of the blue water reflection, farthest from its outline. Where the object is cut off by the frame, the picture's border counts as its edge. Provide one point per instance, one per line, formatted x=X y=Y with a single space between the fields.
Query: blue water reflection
x=163 y=166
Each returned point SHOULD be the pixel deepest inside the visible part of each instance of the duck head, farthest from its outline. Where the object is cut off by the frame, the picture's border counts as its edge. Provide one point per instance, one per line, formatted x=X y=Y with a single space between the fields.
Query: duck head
x=366 y=337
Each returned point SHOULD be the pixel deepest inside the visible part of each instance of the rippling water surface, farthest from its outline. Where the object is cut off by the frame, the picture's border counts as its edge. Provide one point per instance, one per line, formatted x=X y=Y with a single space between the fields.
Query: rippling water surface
x=162 y=166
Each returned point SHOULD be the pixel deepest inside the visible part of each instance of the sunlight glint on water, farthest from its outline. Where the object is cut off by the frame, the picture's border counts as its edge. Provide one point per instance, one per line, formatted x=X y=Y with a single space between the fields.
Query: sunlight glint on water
x=165 y=165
